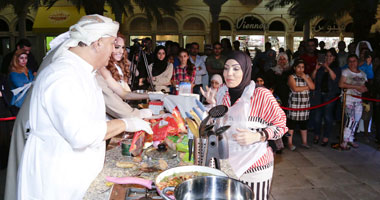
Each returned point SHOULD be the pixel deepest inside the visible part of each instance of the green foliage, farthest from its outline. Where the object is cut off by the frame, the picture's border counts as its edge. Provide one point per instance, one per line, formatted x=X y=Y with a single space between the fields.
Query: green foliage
x=363 y=12
x=152 y=8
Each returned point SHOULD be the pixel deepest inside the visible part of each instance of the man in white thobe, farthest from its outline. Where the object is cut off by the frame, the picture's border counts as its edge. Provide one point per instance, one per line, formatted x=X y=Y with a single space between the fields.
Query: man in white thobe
x=66 y=147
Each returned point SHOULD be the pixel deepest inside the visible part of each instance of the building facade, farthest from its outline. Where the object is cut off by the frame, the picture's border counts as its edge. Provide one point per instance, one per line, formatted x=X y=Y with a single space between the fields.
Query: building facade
x=251 y=24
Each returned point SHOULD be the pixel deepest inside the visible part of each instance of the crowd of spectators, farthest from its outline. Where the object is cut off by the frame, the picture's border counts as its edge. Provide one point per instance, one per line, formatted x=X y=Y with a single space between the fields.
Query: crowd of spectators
x=310 y=76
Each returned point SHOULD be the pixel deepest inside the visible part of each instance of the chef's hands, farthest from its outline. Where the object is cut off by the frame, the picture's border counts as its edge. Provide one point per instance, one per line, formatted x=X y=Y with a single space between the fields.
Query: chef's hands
x=246 y=137
x=136 y=124
x=145 y=113
x=210 y=98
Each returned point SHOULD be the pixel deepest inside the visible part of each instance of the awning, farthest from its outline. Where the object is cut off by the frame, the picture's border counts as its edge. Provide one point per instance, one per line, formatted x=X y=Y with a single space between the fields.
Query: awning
x=59 y=19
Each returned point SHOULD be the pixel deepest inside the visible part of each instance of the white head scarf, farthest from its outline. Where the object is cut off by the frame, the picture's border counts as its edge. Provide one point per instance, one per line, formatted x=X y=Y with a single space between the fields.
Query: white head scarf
x=87 y=30
x=357 y=52
x=217 y=78
x=277 y=69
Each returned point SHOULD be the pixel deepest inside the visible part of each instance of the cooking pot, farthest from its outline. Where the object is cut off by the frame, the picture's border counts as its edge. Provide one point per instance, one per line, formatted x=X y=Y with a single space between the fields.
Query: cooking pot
x=167 y=173
x=210 y=188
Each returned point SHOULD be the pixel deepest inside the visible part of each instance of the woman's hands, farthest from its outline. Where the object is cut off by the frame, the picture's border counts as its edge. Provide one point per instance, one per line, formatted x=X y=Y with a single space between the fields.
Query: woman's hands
x=246 y=137
x=209 y=95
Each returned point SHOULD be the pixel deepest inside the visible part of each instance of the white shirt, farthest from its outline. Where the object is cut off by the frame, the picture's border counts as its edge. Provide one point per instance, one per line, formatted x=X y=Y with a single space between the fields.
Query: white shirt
x=65 y=150
x=357 y=79
x=199 y=62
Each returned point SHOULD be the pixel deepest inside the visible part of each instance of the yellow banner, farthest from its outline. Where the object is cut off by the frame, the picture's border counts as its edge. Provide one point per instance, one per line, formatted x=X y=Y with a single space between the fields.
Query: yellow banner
x=59 y=19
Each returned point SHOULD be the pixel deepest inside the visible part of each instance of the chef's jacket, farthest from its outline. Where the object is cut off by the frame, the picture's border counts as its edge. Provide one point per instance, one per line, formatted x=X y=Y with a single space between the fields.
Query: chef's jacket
x=65 y=149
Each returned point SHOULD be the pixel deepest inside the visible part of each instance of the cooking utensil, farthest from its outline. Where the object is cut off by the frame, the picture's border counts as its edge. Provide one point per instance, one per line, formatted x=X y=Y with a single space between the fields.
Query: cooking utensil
x=195 y=117
x=212 y=150
x=190 y=142
x=200 y=105
x=212 y=188
x=170 y=172
x=209 y=127
x=198 y=113
x=193 y=127
x=215 y=112
x=221 y=130
x=200 y=146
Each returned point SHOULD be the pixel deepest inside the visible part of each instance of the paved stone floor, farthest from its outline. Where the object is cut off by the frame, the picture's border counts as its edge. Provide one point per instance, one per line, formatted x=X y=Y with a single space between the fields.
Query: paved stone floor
x=325 y=173
x=319 y=173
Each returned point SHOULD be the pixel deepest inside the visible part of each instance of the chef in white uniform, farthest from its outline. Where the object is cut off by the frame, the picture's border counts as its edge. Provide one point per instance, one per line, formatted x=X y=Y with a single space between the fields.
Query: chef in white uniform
x=66 y=147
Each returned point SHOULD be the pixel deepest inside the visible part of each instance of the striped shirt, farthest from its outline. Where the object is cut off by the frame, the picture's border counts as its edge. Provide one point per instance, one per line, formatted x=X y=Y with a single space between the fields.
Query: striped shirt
x=265 y=110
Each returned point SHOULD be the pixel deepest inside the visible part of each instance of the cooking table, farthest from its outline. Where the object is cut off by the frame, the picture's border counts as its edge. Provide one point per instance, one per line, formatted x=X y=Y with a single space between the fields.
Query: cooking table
x=100 y=191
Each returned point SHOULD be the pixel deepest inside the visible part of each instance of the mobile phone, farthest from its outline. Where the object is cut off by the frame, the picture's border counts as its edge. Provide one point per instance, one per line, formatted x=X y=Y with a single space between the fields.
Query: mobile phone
x=321 y=58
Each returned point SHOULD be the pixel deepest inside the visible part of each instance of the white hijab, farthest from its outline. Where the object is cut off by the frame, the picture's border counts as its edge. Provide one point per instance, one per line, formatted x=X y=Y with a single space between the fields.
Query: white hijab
x=357 y=52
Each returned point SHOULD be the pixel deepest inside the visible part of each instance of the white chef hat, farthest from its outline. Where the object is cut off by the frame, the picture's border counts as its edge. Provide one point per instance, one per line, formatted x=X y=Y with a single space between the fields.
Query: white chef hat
x=87 y=30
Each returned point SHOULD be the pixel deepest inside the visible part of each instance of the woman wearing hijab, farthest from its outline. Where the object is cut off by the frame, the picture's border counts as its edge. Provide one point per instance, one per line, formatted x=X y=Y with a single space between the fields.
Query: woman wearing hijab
x=255 y=117
x=209 y=94
x=161 y=70
x=20 y=77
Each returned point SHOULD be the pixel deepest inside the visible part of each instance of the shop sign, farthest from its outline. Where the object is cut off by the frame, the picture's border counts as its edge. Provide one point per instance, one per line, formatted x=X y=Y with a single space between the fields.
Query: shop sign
x=59 y=16
x=249 y=23
x=325 y=26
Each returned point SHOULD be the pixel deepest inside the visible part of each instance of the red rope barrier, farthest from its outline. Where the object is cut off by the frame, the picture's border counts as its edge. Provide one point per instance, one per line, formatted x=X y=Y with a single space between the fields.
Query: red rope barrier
x=366 y=98
x=313 y=107
x=7 y=118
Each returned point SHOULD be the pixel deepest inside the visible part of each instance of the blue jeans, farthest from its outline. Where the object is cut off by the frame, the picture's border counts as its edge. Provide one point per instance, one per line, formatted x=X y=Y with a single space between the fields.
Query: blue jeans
x=324 y=113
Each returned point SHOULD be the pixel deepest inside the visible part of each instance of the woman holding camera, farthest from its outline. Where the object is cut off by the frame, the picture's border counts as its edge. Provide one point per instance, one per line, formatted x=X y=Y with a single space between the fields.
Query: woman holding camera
x=326 y=77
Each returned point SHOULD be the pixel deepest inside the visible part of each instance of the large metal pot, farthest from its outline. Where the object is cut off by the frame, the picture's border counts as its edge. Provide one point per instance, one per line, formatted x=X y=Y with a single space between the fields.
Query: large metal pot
x=210 y=188
x=167 y=173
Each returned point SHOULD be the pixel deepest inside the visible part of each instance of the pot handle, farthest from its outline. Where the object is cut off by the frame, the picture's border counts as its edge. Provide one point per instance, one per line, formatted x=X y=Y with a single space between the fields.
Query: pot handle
x=130 y=180
x=167 y=189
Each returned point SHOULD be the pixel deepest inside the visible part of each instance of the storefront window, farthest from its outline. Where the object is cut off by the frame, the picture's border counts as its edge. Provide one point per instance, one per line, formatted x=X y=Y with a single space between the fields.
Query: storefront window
x=200 y=39
x=348 y=40
x=161 y=39
x=296 y=43
x=277 y=42
x=139 y=37
x=331 y=42
x=4 y=46
x=252 y=42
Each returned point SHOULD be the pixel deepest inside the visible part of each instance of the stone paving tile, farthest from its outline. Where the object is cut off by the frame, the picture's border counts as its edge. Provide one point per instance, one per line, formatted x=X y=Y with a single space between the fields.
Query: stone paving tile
x=299 y=194
x=321 y=161
x=309 y=154
x=317 y=177
x=280 y=163
x=339 y=176
x=333 y=193
x=361 y=192
x=289 y=178
x=368 y=173
x=375 y=186
x=345 y=158
x=301 y=162
x=289 y=155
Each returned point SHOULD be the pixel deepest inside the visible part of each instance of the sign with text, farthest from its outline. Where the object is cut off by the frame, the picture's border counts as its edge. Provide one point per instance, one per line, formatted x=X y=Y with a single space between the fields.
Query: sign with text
x=249 y=23
x=325 y=26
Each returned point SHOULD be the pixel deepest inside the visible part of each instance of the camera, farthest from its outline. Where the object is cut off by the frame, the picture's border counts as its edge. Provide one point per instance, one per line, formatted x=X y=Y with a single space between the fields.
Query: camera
x=136 y=42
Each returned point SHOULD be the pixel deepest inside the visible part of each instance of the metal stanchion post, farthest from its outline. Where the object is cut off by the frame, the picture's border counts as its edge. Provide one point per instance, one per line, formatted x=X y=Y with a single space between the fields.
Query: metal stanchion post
x=343 y=113
x=337 y=145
